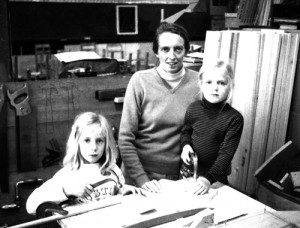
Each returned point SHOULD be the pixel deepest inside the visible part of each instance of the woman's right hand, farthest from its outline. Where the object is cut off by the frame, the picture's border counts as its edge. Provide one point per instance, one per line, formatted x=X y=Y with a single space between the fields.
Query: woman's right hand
x=152 y=186
x=185 y=155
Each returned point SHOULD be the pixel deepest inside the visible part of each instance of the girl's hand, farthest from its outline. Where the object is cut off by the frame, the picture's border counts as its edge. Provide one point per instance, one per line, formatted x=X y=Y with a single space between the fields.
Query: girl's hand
x=202 y=186
x=152 y=186
x=80 y=190
x=185 y=155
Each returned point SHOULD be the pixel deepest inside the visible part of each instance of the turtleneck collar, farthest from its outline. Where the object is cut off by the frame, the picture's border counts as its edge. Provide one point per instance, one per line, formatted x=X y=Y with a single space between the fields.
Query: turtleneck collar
x=218 y=107
x=169 y=76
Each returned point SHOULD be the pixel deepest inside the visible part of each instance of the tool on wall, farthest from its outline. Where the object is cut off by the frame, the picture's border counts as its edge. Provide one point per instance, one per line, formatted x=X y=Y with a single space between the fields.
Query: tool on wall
x=4 y=182
x=26 y=129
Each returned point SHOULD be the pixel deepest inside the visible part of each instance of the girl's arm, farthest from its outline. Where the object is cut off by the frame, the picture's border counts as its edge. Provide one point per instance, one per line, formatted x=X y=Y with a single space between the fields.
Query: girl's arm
x=51 y=190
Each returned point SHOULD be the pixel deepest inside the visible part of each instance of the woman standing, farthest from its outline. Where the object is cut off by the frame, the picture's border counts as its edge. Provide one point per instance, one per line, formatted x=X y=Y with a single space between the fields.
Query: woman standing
x=154 y=107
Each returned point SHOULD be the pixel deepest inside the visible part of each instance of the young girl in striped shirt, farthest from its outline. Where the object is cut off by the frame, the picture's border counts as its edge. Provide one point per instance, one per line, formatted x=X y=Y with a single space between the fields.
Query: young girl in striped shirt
x=212 y=128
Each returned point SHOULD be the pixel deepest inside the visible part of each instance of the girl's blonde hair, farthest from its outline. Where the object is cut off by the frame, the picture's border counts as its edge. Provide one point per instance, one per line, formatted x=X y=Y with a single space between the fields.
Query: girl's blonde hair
x=227 y=73
x=73 y=158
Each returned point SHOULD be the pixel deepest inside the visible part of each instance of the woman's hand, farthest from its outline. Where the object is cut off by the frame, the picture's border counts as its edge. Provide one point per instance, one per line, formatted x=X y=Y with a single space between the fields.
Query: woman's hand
x=152 y=186
x=202 y=186
x=129 y=189
x=185 y=155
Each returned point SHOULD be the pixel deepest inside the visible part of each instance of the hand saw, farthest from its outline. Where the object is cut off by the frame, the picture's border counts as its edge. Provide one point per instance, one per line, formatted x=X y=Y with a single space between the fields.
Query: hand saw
x=26 y=129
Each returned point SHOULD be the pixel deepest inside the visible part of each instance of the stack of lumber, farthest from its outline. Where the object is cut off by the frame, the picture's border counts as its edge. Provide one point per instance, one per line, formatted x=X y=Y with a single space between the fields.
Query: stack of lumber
x=265 y=63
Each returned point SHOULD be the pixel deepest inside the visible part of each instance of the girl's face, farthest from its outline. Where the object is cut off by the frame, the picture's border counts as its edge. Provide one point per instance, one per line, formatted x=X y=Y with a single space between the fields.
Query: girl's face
x=170 y=52
x=91 y=144
x=215 y=86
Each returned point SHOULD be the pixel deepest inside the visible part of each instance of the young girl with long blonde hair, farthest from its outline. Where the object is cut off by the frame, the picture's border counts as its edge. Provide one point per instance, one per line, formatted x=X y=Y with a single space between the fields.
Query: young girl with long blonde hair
x=89 y=167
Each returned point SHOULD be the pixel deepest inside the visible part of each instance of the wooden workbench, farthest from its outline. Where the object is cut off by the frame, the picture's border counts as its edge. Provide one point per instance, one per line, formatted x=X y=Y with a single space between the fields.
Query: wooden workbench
x=176 y=207
x=137 y=211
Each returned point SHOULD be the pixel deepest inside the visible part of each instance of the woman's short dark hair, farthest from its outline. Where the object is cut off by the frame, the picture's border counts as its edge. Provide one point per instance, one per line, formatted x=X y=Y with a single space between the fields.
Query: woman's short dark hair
x=172 y=28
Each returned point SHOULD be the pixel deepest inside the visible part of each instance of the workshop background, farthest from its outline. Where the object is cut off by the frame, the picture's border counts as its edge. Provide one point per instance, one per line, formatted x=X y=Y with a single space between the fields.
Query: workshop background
x=40 y=95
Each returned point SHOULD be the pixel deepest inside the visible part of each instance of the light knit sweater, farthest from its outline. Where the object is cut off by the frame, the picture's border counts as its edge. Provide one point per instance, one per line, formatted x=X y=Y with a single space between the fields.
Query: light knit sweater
x=52 y=189
x=152 y=119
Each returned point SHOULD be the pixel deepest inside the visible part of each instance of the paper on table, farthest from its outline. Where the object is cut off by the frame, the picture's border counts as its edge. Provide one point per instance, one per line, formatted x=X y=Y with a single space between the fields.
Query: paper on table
x=76 y=55
x=196 y=55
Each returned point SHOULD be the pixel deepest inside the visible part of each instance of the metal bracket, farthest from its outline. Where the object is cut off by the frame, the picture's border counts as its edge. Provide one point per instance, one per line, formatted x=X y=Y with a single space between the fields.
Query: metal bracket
x=22 y=107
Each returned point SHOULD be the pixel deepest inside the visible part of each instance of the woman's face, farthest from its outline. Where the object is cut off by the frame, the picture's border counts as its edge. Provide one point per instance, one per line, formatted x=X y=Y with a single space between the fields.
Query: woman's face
x=170 y=52
x=215 y=86
x=91 y=144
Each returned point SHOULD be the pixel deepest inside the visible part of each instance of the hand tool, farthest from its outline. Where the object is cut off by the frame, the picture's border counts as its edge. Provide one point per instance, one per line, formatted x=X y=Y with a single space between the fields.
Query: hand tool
x=4 y=180
x=194 y=160
x=26 y=129
x=190 y=170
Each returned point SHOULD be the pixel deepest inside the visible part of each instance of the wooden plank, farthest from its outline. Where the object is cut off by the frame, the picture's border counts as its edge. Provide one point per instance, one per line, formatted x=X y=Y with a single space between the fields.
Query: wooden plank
x=288 y=88
x=244 y=100
x=226 y=45
x=264 y=104
x=279 y=91
x=211 y=47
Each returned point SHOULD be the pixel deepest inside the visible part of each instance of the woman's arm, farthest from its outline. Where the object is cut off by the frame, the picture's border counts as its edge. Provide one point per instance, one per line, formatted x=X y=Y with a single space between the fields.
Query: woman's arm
x=128 y=132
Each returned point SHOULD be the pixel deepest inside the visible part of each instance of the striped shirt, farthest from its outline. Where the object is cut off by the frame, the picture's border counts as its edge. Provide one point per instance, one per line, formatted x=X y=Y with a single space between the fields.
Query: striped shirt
x=214 y=132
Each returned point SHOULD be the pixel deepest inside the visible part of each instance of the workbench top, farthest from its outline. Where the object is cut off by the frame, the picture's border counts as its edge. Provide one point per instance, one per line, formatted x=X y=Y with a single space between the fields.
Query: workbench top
x=160 y=210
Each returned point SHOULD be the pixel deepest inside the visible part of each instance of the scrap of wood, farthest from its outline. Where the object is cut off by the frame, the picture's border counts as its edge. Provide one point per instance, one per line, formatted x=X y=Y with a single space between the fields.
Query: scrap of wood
x=270 y=168
x=273 y=183
x=283 y=179
x=295 y=176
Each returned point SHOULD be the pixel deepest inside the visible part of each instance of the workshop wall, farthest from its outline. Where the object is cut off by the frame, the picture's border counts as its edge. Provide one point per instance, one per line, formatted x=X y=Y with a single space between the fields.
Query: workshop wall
x=54 y=104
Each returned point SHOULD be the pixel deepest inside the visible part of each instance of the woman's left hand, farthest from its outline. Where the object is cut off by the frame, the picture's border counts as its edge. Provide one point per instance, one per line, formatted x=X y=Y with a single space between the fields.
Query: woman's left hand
x=202 y=186
x=129 y=189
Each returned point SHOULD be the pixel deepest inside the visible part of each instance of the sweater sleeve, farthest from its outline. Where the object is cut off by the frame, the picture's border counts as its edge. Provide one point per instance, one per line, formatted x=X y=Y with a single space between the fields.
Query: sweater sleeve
x=187 y=130
x=227 y=150
x=128 y=132
x=51 y=190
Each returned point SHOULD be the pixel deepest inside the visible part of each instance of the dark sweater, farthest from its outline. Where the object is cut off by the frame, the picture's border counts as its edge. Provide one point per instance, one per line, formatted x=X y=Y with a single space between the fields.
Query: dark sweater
x=214 y=132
